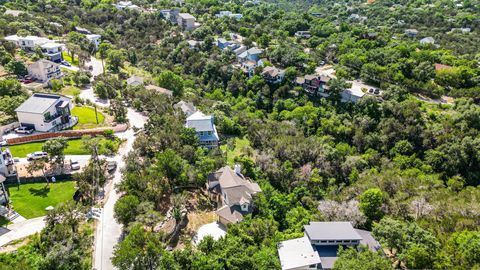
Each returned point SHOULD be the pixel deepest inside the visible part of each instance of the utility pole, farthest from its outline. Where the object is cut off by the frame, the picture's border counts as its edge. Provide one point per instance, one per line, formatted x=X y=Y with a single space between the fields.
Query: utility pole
x=96 y=114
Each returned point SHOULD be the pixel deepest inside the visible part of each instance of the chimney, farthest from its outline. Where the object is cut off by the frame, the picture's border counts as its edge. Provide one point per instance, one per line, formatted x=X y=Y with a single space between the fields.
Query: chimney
x=238 y=169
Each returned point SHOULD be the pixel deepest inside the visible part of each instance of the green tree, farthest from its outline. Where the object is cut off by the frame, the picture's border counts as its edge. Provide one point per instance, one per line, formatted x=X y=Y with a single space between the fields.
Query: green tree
x=371 y=202
x=171 y=81
x=16 y=67
x=125 y=209
x=115 y=59
x=55 y=148
x=140 y=250
x=364 y=259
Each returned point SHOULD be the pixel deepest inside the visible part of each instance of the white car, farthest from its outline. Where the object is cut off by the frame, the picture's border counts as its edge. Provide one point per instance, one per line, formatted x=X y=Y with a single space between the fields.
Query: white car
x=74 y=165
x=24 y=130
x=37 y=155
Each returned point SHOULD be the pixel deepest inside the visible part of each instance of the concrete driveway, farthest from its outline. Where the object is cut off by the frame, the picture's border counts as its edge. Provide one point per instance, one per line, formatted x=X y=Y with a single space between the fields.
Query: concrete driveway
x=22 y=229
x=108 y=231
x=214 y=229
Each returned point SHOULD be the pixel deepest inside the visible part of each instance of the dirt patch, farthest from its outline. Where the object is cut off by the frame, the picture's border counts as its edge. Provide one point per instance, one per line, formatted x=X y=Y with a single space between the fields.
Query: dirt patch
x=14 y=245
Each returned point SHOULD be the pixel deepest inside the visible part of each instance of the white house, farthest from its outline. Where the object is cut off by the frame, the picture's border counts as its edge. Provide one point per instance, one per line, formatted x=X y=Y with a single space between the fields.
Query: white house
x=303 y=34
x=223 y=14
x=204 y=128
x=95 y=39
x=186 y=21
x=427 y=40
x=7 y=164
x=126 y=5
x=317 y=249
x=45 y=112
x=52 y=51
x=44 y=71
x=27 y=43
x=135 y=80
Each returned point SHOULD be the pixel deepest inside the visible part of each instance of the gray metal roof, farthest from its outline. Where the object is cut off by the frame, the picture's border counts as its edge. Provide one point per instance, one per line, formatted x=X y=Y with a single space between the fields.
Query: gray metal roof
x=331 y=231
x=38 y=103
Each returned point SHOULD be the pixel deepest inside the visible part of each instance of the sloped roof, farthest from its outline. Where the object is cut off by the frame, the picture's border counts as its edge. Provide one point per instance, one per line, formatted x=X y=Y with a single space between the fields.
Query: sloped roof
x=135 y=79
x=200 y=122
x=239 y=189
x=186 y=107
x=159 y=89
x=331 y=231
x=272 y=71
x=232 y=214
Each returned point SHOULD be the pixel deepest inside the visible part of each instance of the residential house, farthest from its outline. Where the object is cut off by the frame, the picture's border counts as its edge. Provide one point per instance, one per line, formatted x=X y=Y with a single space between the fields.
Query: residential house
x=204 y=128
x=232 y=192
x=318 y=248
x=273 y=75
x=46 y=112
x=28 y=43
x=465 y=30
x=126 y=5
x=239 y=50
x=95 y=39
x=252 y=54
x=229 y=14
x=171 y=15
x=411 y=33
x=427 y=40
x=186 y=107
x=82 y=30
x=44 y=71
x=223 y=43
x=159 y=89
x=303 y=34
x=52 y=51
x=314 y=84
x=135 y=80
x=186 y=21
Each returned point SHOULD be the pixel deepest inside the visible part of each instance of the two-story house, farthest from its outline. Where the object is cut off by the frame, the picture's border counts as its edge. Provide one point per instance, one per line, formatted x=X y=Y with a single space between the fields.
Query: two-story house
x=44 y=71
x=186 y=21
x=314 y=84
x=273 y=75
x=252 y=54
x=229 y=14
x=95 y=39
x=52 y=51
x=232 y=192
x=28 y=43
x=204 y=128
x=45 y=112
x=318 y=248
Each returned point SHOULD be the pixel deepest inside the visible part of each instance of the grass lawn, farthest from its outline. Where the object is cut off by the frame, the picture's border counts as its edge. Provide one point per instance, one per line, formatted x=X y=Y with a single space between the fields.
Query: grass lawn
x=241 y=144
x=30 y=200
x=75 y=147
x=86 y=118
x=67 y=57
x=70 y=91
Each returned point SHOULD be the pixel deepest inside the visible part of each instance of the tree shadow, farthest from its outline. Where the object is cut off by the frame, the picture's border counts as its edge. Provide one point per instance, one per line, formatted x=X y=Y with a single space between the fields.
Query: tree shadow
x=41 y=192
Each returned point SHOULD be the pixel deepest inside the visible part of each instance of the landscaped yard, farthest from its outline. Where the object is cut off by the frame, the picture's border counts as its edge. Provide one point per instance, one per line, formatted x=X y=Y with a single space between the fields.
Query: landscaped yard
x=242 y=147
x=67 y=57
x=70 y=91
x=86 y=118
x=30 y=200
x=75 y=147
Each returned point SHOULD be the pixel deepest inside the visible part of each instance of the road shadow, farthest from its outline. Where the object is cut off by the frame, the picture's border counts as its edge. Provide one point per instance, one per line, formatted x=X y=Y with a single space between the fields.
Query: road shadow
x=41 y=192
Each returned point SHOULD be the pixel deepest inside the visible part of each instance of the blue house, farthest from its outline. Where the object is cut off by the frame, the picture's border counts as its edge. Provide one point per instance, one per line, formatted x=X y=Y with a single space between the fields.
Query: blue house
x=252 y=54
x=223 y=43
x=204 y=128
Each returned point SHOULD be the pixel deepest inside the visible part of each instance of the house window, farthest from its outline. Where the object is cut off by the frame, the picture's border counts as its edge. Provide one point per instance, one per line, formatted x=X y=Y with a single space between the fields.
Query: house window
x=312 y=266
x=209 y=133
x=201 y=133
x=46 y=115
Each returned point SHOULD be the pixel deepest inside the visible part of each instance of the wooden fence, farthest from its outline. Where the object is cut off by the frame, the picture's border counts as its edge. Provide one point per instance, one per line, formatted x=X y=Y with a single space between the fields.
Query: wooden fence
x=71 y=134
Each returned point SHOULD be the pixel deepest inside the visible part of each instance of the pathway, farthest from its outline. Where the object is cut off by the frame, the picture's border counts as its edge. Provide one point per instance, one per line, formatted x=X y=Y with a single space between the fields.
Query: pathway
x=22 y=229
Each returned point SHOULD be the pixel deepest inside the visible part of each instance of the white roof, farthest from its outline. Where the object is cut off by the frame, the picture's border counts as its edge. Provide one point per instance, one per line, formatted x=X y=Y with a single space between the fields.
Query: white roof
x=12 y=38
x=296 y=253
x=93 y=36
x=427 y=40
x=356 y=89
x=51 y=45
x=186 y=16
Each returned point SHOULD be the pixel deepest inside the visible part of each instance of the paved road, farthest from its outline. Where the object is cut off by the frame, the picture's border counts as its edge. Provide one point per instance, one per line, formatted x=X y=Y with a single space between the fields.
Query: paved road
x=108 y=231
x=22 y=229
x=87 y=93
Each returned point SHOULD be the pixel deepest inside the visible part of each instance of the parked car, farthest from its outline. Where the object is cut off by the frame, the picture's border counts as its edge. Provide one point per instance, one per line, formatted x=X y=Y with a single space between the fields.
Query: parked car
x=37 y=155
x=66 y=63
x=24 y=130
x=3 y=143
x=111 y=166
x=74 y=165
